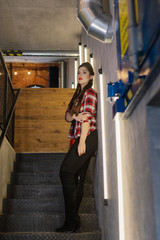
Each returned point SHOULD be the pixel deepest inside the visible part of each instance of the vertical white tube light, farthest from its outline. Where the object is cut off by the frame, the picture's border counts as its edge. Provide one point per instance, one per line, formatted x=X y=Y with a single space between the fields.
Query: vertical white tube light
x=104 y=155
x=80 y=53
x=119 y=177
x=75 y=72
x=85 y=53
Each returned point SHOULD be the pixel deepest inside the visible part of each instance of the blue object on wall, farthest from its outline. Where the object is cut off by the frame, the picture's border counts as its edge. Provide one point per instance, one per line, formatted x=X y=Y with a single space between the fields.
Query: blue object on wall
x=147 y=14
x=148 y=25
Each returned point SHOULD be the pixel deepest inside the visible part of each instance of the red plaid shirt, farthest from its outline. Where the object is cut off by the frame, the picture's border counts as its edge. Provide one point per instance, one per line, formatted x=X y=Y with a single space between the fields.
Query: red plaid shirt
x=89 y=105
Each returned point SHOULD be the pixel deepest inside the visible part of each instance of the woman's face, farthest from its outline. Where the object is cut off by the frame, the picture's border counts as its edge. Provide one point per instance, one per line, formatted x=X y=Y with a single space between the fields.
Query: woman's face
x=83 y=76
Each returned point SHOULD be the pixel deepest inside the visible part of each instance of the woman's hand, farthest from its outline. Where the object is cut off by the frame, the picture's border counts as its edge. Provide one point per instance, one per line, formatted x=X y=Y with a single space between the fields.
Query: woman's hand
x=81 y=148
x=80 y=117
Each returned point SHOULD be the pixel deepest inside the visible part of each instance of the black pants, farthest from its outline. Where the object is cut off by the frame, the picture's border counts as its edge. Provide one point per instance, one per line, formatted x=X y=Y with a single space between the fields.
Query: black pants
x=72 y=173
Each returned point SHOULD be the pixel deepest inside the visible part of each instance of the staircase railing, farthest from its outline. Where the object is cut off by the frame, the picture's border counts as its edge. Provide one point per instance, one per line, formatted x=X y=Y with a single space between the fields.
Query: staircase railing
x=8 y=99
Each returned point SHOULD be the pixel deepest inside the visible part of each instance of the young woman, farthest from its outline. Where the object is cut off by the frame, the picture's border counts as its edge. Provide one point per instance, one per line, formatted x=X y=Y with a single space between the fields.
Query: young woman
x=81 y=113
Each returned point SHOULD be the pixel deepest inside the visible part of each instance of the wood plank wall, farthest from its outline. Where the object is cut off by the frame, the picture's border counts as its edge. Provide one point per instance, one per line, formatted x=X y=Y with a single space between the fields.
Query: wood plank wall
x=39 y=120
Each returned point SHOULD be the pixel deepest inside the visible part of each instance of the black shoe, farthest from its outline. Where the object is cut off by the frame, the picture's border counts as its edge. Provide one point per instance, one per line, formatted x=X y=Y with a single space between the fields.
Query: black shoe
x=69 y=229
x=78 y=221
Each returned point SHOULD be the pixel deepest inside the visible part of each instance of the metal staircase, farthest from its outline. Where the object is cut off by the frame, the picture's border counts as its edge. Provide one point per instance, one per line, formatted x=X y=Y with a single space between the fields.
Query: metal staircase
x=34 y=206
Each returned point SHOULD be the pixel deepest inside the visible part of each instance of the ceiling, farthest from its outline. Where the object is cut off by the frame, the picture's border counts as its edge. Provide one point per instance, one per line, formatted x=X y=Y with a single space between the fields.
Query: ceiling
x=48 y=25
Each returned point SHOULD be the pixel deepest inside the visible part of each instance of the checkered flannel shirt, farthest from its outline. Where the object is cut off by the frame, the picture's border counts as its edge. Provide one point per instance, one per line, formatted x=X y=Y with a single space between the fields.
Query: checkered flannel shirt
x=89 y=105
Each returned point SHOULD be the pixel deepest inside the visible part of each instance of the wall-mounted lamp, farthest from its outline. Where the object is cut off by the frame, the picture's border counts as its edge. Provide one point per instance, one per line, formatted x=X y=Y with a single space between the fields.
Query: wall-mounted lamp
x=15 y=73
x=91 y=59
x=119 y=176
x=80 y=53
x=75 y=72
x=85 y=53
x=104 y=155
x=29 y=73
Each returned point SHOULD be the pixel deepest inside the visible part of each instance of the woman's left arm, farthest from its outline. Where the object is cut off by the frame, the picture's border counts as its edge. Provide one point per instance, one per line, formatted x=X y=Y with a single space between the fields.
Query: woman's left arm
x=82 y=141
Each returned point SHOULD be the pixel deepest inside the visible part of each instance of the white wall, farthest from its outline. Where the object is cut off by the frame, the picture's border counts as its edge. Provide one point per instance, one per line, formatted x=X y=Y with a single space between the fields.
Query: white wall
x=7 y=157
x=137 y=180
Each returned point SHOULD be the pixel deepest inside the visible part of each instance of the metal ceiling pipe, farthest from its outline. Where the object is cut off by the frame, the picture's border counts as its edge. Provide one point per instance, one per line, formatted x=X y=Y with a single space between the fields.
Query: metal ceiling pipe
x=62 y=75
x=95 y=21
x=43 y=53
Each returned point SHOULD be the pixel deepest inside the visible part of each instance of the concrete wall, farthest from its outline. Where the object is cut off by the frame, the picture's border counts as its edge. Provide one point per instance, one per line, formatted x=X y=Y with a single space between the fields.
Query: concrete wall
x=140 y=186
x=7 y=157
x=153 y=120
x=139 y=212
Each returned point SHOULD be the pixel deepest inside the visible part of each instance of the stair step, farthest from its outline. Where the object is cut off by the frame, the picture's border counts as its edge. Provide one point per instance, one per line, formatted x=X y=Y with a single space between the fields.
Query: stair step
x=35 y=178
x=41 y=191
x=43 y=223
x=48 y=206
x=96 y=235
x=39 y=156
x=38 y=166
x=38 y=178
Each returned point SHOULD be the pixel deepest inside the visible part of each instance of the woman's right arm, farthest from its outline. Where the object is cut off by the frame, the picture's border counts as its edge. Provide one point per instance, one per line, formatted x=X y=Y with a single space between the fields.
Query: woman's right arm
x=80 y=117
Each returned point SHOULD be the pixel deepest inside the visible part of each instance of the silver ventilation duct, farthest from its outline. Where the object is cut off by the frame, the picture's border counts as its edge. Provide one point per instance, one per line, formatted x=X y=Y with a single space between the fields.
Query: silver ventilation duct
x=95 y=21
x=43 y=53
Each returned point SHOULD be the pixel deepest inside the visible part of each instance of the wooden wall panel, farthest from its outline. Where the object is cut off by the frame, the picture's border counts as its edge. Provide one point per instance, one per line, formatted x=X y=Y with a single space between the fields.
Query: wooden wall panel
x=39 y=120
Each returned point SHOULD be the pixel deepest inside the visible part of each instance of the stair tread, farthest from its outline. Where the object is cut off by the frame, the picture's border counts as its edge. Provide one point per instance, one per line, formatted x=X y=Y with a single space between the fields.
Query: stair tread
x=41 y=185
x=42 y=190
x=95 y=235
x=37 y=166
x=48 y=205
x=43 y=222
x=45 y=214
x=39 y=199
x=39 y=156
x=35 y=173
x=51 y=233
x=37 y=178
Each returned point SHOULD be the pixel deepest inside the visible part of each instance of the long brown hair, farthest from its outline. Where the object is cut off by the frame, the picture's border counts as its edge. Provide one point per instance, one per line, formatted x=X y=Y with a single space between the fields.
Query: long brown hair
x=78 y=95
